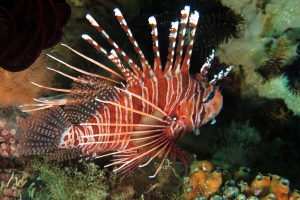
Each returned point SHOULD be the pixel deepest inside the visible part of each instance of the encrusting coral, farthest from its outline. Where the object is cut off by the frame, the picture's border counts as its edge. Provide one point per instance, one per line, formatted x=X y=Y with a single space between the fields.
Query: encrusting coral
x=9 y=138
x=207 y=181
x=8 y=141
x=16 y=87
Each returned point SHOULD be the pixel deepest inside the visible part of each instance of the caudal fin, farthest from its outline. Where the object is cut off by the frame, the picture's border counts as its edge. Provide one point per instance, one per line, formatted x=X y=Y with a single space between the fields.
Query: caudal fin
x=42 y=133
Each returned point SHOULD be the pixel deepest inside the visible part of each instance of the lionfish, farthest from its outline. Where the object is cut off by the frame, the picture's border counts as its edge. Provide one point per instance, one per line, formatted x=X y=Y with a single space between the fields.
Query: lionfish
x=134 y=122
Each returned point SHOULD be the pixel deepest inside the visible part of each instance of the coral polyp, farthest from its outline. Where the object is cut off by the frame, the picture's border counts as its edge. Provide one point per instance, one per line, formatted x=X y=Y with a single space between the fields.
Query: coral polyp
x=275 y=111
x=293 y=75
x=294 y=86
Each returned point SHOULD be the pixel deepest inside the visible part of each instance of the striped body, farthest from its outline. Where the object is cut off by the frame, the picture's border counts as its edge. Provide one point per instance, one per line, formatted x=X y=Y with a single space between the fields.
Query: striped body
x=135 y=122
x=179 y=96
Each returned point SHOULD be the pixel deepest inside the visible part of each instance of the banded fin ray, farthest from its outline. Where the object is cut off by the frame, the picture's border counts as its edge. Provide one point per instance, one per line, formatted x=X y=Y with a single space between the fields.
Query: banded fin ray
x=81 y=101
x=180 y=43
x=132 y=65
x=42 y=133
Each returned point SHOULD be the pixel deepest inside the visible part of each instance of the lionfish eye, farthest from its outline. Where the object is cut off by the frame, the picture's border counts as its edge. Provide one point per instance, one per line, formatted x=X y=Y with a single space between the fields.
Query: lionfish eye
x=210 y=96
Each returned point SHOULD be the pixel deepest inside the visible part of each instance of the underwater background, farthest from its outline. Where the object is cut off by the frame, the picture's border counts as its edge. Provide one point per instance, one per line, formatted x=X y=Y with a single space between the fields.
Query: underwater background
x=255 y=140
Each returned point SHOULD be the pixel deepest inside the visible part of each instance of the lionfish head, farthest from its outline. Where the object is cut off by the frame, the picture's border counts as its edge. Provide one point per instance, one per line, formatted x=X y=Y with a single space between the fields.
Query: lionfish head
x=201 y=104
x=212 y=102
x=212 y=105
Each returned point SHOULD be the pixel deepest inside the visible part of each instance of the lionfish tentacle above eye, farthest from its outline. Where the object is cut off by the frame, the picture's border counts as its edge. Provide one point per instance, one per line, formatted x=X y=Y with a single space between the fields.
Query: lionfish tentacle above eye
x=205 y=67
x=136 y=121
x=220 y=75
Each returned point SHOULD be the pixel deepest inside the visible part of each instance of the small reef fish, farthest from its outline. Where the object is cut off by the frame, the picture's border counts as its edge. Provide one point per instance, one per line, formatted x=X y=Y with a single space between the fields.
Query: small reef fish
x=135 y=121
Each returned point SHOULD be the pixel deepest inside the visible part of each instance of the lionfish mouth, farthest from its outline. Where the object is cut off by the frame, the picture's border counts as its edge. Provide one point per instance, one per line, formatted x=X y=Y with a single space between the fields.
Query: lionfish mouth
x=136 y=122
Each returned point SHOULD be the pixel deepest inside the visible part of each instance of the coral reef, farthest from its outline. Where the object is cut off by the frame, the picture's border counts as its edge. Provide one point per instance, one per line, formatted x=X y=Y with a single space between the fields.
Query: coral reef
x=8 y=141
x=276 y=88
x=278 y=16
x=56 y=182
x=28 y=27
x=204 y=182
x=215 y=183
x=293 y=75
x=16 y=87
x=265 y=22
x=269 y=142
x=88 y=181
x=12 y=184
x=236 y=145
x=272 y=116
x=9 y=138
